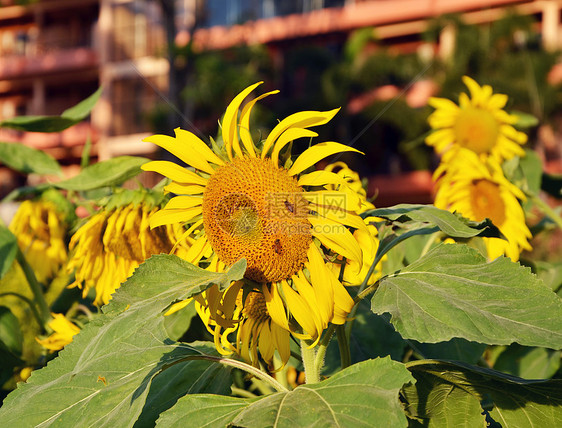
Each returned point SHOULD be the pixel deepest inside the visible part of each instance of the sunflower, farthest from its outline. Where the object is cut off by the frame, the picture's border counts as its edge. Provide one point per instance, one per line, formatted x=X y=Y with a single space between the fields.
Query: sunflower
x=351 y=272
x=479 y=191
x=63 y=332
x=41 y=228
x=246 y=201
x=112 y=244
x=478 y=123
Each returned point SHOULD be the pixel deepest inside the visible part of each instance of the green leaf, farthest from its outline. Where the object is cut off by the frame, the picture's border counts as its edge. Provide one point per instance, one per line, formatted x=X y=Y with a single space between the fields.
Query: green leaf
x=110 y=374
x=111 y=172
x=371 y=336
x=525 y=120
x=454 y=349
x=455 y=394
x=528 y=363
x=453 y=292
x=363 y=395
x=8 y=250
x=10 y=333
x=177 y=323
x=451 y=224
x=28 y=160
x=68 y=118
x=531 y=168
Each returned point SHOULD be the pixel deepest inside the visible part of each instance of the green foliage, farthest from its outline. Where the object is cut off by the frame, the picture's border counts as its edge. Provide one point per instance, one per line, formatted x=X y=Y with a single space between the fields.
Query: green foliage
x=69 y=117
x=111 y=172
x=8 y=250
x=452 y=292
x=369 y=388
x=110 y=374
x=456 y=394
x=28 y=160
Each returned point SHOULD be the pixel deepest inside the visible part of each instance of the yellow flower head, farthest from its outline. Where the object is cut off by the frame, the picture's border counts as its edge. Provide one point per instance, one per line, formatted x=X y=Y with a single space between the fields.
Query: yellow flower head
x=243 y=201
x=479 y=191
x=353 y=272
x=63 y=333
x=112 y=244
x=477 y=123
x=40 y=228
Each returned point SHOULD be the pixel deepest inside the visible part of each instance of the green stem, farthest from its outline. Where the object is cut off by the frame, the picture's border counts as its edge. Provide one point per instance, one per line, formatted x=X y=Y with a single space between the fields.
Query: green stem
x=343 y=344
x=44 y=312
x=242 y=392
x=308 y=360
x=234 y=363
x=360 y=296
x=323 y=347
x=545 y=208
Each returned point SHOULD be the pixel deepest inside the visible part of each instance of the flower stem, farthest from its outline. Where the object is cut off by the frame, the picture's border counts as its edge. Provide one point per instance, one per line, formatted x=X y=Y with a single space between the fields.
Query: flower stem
x=343 y=344
x=39 y=299
x=323 y=347
x=311 y=371
x=545 y=208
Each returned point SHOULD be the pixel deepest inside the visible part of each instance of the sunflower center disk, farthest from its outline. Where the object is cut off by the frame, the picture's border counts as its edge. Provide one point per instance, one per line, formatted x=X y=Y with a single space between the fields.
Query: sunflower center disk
x=486 y=201
x=256 y=211
x=476 y=130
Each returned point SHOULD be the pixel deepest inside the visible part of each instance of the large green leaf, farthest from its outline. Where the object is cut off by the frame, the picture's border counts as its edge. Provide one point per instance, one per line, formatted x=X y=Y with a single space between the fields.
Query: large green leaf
x=454 y=349
x=528 y=363
x=363 y=395
x=28 y=160
x=450 y=394
x=453 y=292
x=8 y=250
x=68 y=118
x=111 y=172
x=429 y=216
x=110 y=373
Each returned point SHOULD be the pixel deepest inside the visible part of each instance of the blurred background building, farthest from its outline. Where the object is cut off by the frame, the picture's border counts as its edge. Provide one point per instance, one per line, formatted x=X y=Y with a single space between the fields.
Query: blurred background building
x=165 y=63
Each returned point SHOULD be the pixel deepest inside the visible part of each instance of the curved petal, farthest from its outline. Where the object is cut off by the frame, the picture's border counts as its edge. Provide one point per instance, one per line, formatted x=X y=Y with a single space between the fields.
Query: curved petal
x=198 y=145
x=245 y=134
x=229 y=122
x=288 y=136
x=174 y=172
x=316 y=153
x=303 y=119
x=181 y=150
x=183 y=202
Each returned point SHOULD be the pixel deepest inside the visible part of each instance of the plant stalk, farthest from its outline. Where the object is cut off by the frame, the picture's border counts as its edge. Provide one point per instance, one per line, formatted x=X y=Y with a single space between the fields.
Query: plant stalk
x=545 y=208
x=39 y=299
x=311 y=371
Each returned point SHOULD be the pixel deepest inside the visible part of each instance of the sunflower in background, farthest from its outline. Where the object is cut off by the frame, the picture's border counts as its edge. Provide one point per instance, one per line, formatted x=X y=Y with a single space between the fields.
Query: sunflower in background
x=478 y=123
x=40 y=227
x=114 y=241
x=242 y=201
x=474 y=139
x=479 y=191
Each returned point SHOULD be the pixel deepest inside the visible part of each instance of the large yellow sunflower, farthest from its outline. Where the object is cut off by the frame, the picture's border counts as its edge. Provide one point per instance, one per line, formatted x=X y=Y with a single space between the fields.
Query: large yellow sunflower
x=111 y=245
x=243 y=201
x=480 y=190
x=478 y=123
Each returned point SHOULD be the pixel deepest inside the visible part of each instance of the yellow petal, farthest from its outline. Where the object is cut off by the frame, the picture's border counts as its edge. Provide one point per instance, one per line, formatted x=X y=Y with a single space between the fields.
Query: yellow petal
x=198 y=145
x=320 y=178
x=321 y=283
x=275 y=306
x=300 y=310
x=184 y=189
x=245 y=134
x=181 y=150
x=183 y=202
x=178 y=306
x=336 y=237
x=303 y=119
x=229 y=128
x=316 y=153
x=173 y=216
x=174 y=172
x=288 y=136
